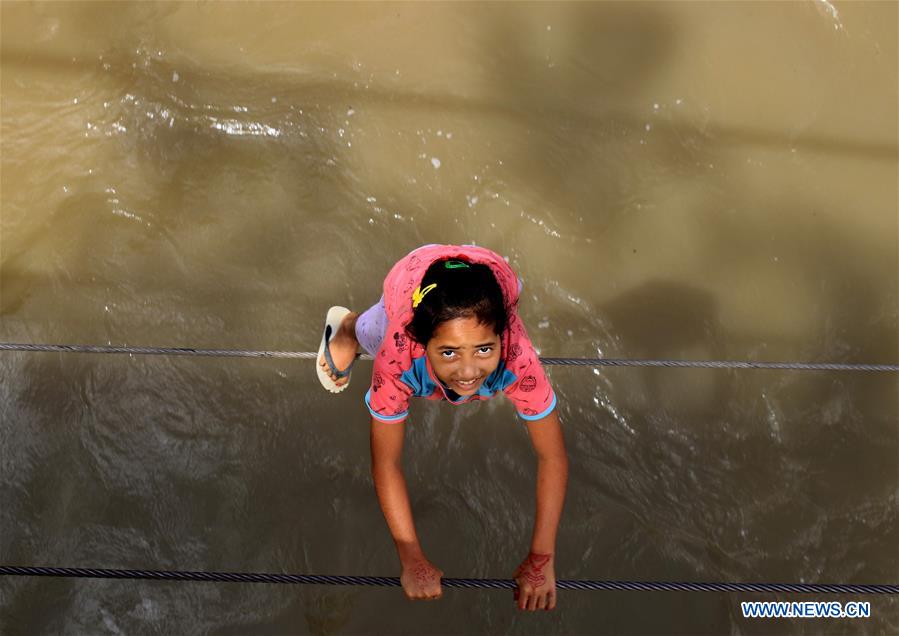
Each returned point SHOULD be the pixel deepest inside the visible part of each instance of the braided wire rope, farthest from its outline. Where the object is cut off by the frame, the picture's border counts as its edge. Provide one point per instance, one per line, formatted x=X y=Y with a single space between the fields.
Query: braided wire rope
x=588 y=362
x=393 y=581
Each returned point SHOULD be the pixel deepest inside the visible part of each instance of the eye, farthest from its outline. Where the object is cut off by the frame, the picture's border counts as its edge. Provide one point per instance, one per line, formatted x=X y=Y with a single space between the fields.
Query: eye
x=447 y=354
x=485 y=350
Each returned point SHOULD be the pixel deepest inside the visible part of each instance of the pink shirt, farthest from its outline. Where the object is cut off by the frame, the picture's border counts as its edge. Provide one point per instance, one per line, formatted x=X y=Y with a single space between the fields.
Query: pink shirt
x=401 y=368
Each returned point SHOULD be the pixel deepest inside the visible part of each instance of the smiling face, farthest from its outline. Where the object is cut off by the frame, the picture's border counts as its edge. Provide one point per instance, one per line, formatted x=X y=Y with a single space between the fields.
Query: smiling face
x=463 y=350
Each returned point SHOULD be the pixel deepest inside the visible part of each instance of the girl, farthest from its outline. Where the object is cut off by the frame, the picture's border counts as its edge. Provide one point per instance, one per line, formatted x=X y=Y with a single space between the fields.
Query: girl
x=447 y=328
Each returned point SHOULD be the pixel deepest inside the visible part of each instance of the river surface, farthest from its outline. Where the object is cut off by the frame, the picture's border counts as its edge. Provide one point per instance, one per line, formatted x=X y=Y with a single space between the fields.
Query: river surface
x=675 y=180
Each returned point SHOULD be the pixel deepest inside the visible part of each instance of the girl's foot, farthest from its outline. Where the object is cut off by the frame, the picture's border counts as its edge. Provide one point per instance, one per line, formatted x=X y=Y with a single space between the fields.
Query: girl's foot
x=343 y=346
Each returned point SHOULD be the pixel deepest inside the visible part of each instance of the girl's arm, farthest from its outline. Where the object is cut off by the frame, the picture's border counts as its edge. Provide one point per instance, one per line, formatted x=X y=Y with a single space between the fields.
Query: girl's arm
x=536 y=575
x=420 y=579
x=552 y=480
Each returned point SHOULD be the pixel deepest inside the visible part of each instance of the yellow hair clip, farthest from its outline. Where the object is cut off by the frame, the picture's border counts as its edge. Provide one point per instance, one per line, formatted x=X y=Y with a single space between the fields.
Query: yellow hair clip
x=419 y=294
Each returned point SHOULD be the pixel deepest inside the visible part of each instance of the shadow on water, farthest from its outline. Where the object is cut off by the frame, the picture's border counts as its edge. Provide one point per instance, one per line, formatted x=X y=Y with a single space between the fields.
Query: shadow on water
x=765 y=475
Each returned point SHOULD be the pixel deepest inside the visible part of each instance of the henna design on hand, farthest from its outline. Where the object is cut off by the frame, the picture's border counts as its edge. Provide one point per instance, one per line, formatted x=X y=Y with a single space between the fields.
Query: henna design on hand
x=422 y=573
x=533 y=568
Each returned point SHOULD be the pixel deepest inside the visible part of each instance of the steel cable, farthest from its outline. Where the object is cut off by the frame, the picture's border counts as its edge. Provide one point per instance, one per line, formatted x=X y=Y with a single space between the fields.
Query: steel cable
x=588 y=362
x=392 y=581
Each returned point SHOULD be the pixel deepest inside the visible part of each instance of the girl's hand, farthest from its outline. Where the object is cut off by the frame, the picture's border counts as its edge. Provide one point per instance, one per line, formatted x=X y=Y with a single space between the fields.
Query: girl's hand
x=421 y=580
x=536 y=578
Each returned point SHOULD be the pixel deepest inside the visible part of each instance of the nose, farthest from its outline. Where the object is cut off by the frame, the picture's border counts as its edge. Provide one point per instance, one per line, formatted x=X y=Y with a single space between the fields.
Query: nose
x=470 y=371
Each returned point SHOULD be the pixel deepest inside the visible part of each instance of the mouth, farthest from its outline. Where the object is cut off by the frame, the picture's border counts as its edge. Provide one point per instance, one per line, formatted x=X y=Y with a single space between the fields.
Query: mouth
x=466 y=385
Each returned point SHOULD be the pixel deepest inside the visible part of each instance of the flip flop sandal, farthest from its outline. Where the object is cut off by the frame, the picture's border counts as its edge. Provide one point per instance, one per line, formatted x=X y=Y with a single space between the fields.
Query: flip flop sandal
x=332 y=324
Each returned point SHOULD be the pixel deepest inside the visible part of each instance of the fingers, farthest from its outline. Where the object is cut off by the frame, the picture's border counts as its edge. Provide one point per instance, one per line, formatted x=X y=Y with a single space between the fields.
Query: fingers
x=421 y=581
x=428 y=592
x=523 y=596
x=433 y=595
x=530 y=600
x=425 y=597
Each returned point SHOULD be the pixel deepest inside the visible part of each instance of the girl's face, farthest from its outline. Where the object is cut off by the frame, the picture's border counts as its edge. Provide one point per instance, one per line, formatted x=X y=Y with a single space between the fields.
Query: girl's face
x=463 y=352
